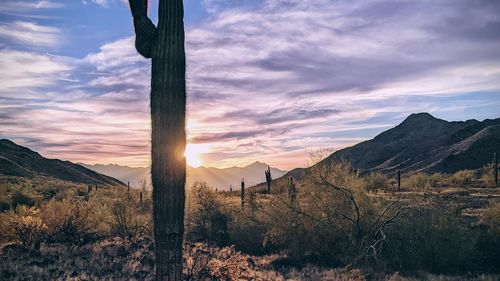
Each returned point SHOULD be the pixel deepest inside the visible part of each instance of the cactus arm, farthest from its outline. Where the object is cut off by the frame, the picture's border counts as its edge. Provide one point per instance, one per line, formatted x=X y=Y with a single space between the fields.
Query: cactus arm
x=145 y=30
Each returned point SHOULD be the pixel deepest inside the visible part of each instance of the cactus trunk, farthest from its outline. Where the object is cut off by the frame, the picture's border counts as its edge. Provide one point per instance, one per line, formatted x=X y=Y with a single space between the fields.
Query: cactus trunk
x=165 y=45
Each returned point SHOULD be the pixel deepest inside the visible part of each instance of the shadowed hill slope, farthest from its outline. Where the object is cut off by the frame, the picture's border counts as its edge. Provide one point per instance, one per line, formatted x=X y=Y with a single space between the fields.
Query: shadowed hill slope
x=16 y=160
x=423 y=143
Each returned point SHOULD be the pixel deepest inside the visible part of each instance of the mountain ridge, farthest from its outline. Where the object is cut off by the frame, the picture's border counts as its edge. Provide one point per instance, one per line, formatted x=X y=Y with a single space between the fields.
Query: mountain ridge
x=220 y=178
x=423 y=143
x=17 y=160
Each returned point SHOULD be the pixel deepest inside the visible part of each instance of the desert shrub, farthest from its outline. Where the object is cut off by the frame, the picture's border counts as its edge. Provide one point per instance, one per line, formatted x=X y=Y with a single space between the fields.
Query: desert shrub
x=336 y=224
x=491 y=218
x=126 y=221
x=488 y=174
x=417 y=182
x=463 y=177
x=24 y=225
x=433 y=239
x=436 y=179
x=4 y=202
x=204 y=263
x=206 y=220
x=247 y=231
x=70 y=221
x=376 y=181
x=20 y=198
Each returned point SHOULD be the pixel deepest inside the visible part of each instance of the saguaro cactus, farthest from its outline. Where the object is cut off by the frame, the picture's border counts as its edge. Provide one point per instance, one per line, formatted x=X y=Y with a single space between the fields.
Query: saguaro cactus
x=399 y=180
x=495 y=169
x=242 y=193
x=128 y=186
x=251 y=201
x=164 y=44
x=269 y=178
x=292 y=191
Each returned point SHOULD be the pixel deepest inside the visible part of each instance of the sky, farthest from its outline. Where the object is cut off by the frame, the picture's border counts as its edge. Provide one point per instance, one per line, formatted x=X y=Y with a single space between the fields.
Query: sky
x=268 y=80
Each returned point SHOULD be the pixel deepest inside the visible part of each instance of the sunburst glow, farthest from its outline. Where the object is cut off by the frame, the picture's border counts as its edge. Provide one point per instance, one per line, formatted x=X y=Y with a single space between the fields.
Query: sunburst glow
x=194 y=152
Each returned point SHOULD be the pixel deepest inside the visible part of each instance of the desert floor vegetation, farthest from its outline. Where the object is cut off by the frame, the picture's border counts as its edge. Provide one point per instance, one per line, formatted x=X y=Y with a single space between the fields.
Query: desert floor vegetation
x=334 y=224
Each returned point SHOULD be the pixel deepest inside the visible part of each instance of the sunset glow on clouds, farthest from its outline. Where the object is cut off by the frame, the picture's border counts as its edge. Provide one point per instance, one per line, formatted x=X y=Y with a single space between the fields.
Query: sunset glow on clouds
x=267 y=80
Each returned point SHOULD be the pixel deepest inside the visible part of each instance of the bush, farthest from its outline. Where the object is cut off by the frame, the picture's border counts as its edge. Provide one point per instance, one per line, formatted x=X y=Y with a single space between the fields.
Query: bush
x=70 y=221
x=24 y=225
x=463 y=177
x=417 y=182
x=206 y=220
x=491 y=218
x=203 y=263
x=126 y=221
x=4 y=203
x=19 y=198
x=375 y=181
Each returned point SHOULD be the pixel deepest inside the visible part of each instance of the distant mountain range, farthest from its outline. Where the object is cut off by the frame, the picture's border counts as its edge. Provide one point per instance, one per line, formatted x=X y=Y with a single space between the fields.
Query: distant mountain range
x=16 y=160
x=423 y=143
x=222 y=179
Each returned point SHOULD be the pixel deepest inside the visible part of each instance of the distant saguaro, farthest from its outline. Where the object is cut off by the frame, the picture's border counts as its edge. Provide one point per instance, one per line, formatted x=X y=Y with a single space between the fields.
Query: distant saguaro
x=399 y=180
x=269 y=178
x=292 y=191
x=242 y=193
x=495 y=168
x=164 y=44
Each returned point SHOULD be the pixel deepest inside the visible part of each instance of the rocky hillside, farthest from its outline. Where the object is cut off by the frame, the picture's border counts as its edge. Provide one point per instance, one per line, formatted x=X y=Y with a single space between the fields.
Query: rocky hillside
x=16 y=160
x=423 y=143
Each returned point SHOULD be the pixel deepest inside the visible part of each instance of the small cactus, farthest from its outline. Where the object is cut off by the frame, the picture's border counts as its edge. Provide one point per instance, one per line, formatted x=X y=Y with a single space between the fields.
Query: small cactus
x=140 y=197
x=242 y=193
x=89 y=188
x=128 y=186
x=269 y=179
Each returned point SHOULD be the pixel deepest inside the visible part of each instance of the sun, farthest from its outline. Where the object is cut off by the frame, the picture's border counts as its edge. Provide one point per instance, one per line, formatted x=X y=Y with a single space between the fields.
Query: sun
x=194 y=152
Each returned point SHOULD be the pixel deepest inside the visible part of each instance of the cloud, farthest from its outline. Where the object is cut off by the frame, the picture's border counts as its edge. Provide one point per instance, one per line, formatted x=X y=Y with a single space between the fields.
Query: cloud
x=19 y=6
x=31 y=34
x=267 y=80
x=21 y=71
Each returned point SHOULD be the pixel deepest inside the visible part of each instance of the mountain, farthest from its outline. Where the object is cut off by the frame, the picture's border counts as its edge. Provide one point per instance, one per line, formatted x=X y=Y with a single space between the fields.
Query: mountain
x=133 y=175
x=16 y=160
x=423 y=143
x=219 y=178
x=224 y=178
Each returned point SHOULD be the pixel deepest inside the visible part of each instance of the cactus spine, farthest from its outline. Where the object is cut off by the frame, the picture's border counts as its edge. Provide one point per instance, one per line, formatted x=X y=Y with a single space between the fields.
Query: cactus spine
x=164 y=44
x=242 y=193
x=269 y=179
